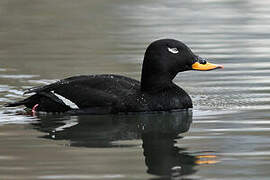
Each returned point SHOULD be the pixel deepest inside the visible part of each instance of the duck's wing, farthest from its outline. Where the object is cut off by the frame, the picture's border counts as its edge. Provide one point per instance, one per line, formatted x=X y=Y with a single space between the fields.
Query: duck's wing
x=92 y=90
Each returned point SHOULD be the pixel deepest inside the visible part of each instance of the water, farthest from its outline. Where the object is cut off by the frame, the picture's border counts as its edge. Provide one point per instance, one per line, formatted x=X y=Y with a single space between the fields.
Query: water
x=42 y=41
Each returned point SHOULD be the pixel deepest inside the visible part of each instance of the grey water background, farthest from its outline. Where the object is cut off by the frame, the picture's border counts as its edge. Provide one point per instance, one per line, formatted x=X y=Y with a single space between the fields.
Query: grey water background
x=43 y=41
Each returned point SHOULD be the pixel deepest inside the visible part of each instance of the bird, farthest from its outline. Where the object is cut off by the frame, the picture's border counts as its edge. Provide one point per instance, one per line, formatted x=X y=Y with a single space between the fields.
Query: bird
x=114 y=94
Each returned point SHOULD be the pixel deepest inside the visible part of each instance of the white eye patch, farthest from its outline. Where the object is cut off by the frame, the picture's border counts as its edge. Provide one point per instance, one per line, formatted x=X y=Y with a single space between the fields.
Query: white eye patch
x=173 y=50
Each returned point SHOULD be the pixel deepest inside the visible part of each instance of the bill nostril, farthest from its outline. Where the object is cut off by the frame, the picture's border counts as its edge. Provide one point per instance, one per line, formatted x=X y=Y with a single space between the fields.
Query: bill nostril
x=203 y=61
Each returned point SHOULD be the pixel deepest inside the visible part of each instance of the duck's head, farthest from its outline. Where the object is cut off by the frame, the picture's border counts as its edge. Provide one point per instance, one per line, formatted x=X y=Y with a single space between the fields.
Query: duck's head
x=165 y=58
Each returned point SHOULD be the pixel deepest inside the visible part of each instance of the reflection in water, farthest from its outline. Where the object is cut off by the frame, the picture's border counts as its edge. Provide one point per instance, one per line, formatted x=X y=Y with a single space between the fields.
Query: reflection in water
x=89 y=131
x=158 y=132
x=42 y=41
x=162 y=156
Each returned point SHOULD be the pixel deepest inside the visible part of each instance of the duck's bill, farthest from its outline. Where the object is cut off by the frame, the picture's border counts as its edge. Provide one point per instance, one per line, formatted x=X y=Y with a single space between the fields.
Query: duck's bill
x=206 y=66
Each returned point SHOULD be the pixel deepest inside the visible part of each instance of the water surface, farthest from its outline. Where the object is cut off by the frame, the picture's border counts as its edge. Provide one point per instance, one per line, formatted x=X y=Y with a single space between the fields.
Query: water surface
x=43 y=41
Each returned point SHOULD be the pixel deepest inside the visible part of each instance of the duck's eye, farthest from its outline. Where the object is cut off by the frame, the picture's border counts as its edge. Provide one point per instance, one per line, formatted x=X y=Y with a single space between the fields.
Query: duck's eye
x=173 y=50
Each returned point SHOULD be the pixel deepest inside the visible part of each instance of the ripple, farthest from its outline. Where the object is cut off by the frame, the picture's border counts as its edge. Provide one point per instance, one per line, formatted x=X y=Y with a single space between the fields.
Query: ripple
x=233 y=122
x=20 y=76
x=254 y=153
x=81 y=176
x=15 y=116
x=4 y=87
x=256 y=129
x=42 y=81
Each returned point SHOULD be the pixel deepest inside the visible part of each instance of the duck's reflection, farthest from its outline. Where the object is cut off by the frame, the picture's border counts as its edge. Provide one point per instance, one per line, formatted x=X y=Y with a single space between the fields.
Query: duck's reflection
x=159 y=133
x=162 y=156
x=90 y=131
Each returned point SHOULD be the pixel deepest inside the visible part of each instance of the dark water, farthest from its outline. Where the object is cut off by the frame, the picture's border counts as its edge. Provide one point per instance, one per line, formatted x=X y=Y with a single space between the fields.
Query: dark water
x=42 y=41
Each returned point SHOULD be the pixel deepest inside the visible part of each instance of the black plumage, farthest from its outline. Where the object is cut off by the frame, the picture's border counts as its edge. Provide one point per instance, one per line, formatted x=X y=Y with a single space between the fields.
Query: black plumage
x=102 y=94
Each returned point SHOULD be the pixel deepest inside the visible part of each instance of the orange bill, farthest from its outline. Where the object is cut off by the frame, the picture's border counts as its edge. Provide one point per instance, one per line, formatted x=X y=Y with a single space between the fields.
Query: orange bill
x=206 y=67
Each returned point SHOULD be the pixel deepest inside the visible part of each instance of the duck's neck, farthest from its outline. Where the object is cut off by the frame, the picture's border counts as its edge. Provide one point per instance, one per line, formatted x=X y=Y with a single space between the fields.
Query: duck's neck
x=155 y=80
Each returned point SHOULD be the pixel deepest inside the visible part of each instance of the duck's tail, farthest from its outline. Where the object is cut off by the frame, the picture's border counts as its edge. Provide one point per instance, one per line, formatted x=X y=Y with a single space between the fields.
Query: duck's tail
x=46 y=101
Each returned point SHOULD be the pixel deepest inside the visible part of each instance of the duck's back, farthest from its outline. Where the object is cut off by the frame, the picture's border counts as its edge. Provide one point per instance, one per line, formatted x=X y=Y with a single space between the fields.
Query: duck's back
x=103 y=94
x=93 y=91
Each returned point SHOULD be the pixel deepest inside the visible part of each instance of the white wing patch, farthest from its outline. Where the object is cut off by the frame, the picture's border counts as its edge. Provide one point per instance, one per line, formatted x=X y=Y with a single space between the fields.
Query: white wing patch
x=66 y=101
